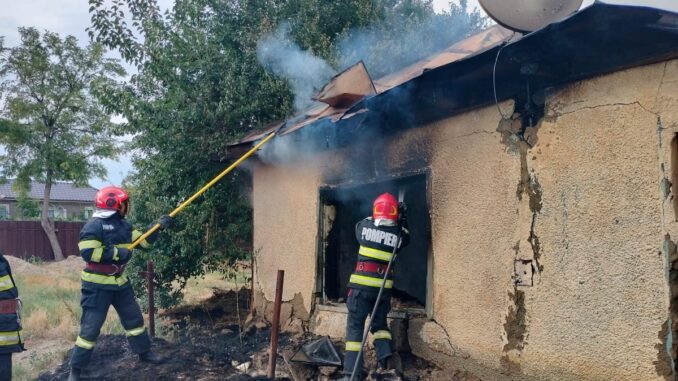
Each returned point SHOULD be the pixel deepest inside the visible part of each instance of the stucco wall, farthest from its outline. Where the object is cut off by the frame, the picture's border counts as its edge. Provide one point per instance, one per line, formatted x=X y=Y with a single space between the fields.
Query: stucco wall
x=585 y=196
x=598 y=310
x=285 y=215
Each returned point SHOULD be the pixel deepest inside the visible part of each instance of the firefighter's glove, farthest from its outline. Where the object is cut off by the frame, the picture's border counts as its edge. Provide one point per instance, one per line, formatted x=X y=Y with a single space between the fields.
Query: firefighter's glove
x=165 y=222
x=402 y=212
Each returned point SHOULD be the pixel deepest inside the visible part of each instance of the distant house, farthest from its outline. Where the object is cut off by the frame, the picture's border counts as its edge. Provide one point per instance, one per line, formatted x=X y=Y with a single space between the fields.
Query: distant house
x=68 y=202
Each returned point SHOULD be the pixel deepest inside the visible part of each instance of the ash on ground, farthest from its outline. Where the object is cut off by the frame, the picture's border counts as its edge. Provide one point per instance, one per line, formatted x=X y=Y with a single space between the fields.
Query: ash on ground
x=215 y=340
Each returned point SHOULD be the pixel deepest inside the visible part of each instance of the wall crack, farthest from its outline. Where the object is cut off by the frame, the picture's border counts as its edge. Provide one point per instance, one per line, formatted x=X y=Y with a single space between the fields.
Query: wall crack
x=637 y=103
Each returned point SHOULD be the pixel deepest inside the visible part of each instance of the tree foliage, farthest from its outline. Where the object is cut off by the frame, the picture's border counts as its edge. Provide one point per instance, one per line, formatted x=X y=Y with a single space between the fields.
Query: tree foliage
x=53 y=126
x=198 y=88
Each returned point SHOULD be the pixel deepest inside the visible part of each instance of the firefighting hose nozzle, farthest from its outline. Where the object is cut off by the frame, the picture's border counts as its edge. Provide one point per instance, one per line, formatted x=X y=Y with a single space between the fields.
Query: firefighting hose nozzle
x=401 y=196
x=205 y=188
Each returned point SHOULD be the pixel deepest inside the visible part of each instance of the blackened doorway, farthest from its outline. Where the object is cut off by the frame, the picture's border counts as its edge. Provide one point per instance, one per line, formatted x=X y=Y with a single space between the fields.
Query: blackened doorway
x=343 y=206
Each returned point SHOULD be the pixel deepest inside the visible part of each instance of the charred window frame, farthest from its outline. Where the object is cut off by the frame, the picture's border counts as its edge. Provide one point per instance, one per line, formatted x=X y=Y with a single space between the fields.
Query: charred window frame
x=336 y=211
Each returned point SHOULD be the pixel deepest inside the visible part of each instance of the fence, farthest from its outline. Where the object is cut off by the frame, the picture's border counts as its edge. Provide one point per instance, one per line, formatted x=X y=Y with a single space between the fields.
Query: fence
x=26 y=239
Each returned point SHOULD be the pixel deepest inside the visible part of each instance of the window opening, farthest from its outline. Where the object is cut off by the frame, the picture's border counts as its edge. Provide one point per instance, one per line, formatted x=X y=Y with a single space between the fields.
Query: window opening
x=343 y=207
x=4 y=212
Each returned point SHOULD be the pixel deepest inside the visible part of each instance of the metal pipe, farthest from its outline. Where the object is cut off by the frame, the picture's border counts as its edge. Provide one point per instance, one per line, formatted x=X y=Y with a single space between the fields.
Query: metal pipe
x=276 y=324
x=205 y=188
x=150 y=277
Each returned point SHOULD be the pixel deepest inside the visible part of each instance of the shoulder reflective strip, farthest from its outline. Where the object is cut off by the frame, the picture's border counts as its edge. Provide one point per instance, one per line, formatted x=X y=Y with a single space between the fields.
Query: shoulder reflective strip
x=89 y=244
x=82 y=343
x=369 y=281
x=382 y=335
x=135 y=331
x=122 y=246
x=6 y=283
x=104 y=279
x=374 y=253
x=9 y=338
x=96 y=254
x=353 y=346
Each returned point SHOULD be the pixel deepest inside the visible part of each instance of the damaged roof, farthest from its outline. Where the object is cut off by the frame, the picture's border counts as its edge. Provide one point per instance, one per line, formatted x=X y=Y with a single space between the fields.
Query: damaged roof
x=599 y=39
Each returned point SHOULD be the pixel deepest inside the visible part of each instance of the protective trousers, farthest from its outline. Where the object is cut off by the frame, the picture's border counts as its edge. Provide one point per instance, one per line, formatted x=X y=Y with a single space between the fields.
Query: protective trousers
x=360 y=304
x=5 y=367
x=95 y=304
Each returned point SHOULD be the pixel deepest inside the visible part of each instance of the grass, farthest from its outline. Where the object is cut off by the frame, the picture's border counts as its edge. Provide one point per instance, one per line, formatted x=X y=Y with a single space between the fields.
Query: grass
x=50 y=319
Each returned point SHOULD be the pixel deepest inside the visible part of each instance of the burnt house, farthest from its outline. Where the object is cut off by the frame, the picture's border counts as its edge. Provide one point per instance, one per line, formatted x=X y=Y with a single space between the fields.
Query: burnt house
x=539 y=174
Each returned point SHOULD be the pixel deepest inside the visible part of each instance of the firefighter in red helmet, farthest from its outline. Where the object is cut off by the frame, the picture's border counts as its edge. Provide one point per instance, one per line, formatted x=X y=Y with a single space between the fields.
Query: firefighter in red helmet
x=378 y=237
x=104 y=242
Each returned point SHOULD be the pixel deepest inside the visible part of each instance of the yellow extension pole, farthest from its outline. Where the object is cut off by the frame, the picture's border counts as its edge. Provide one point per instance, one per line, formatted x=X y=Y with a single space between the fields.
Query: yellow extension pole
x=205 y=188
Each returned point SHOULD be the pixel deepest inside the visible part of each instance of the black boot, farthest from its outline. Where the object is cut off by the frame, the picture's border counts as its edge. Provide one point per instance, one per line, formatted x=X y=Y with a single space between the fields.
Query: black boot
x=151 y=358
x=74 y=375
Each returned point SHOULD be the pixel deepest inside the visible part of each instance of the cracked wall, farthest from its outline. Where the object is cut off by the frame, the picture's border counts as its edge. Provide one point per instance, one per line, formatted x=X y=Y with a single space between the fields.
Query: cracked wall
x=602 y=296
x=586 y=196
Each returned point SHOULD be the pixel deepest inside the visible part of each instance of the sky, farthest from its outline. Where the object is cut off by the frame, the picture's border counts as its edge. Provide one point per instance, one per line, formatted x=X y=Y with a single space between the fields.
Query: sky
x=72 y=17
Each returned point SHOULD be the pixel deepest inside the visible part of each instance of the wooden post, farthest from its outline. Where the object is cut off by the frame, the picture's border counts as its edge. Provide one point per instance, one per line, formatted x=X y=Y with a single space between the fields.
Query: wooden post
x=150 y=276
x=276 y=324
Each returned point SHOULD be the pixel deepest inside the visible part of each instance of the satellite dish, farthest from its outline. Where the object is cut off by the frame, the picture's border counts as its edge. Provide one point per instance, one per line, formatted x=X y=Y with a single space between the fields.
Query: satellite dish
x=529 y=15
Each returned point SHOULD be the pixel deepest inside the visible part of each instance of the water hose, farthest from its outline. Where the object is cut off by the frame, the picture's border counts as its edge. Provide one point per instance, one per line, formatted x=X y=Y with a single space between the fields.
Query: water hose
x=205 y=188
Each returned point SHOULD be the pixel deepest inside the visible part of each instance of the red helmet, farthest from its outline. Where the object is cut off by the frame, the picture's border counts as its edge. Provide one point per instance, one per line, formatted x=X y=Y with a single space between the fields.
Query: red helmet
x=385 y=207
x=113 y=198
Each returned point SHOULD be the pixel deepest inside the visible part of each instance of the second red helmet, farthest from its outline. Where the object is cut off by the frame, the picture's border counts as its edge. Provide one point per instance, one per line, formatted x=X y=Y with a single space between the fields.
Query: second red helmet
x=385 y=207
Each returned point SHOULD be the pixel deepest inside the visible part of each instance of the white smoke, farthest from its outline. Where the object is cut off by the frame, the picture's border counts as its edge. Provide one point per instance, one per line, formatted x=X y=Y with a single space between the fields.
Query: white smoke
x=403 y=38
x=392 y=44
x=304 y=72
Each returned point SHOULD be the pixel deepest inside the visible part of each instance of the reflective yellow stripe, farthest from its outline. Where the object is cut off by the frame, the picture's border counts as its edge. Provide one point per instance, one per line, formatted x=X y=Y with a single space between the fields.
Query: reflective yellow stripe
x=382 y=335
x=96 y=254
x=135 y=236
x=89 y=244
x=353 y=346
x=116 y=257
x=82 y=343
x=104 y=279
x=369 y=281
x=376 y=254
x=9 y=338
x=5 y=283
x=122 y=246
x=135 y=331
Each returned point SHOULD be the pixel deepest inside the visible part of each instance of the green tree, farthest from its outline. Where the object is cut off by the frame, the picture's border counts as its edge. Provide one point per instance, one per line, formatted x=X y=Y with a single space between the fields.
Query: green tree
x=29 y=208
x=198 y=88
x=53 y=125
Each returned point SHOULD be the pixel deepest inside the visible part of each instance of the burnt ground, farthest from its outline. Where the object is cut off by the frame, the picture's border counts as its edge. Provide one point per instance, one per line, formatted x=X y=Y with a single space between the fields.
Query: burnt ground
x=206 y=343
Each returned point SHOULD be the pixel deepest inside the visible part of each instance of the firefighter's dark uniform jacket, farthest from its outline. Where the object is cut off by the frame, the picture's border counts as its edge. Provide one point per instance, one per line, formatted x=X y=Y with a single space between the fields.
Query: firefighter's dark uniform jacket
x=376 y=249
x=11 y=339
x=10 y=326
x=103 y=241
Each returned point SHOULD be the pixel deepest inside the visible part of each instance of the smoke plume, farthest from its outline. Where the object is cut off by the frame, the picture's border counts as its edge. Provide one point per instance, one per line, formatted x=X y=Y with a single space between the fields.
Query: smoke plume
x=304 y=72
x=404 y=38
